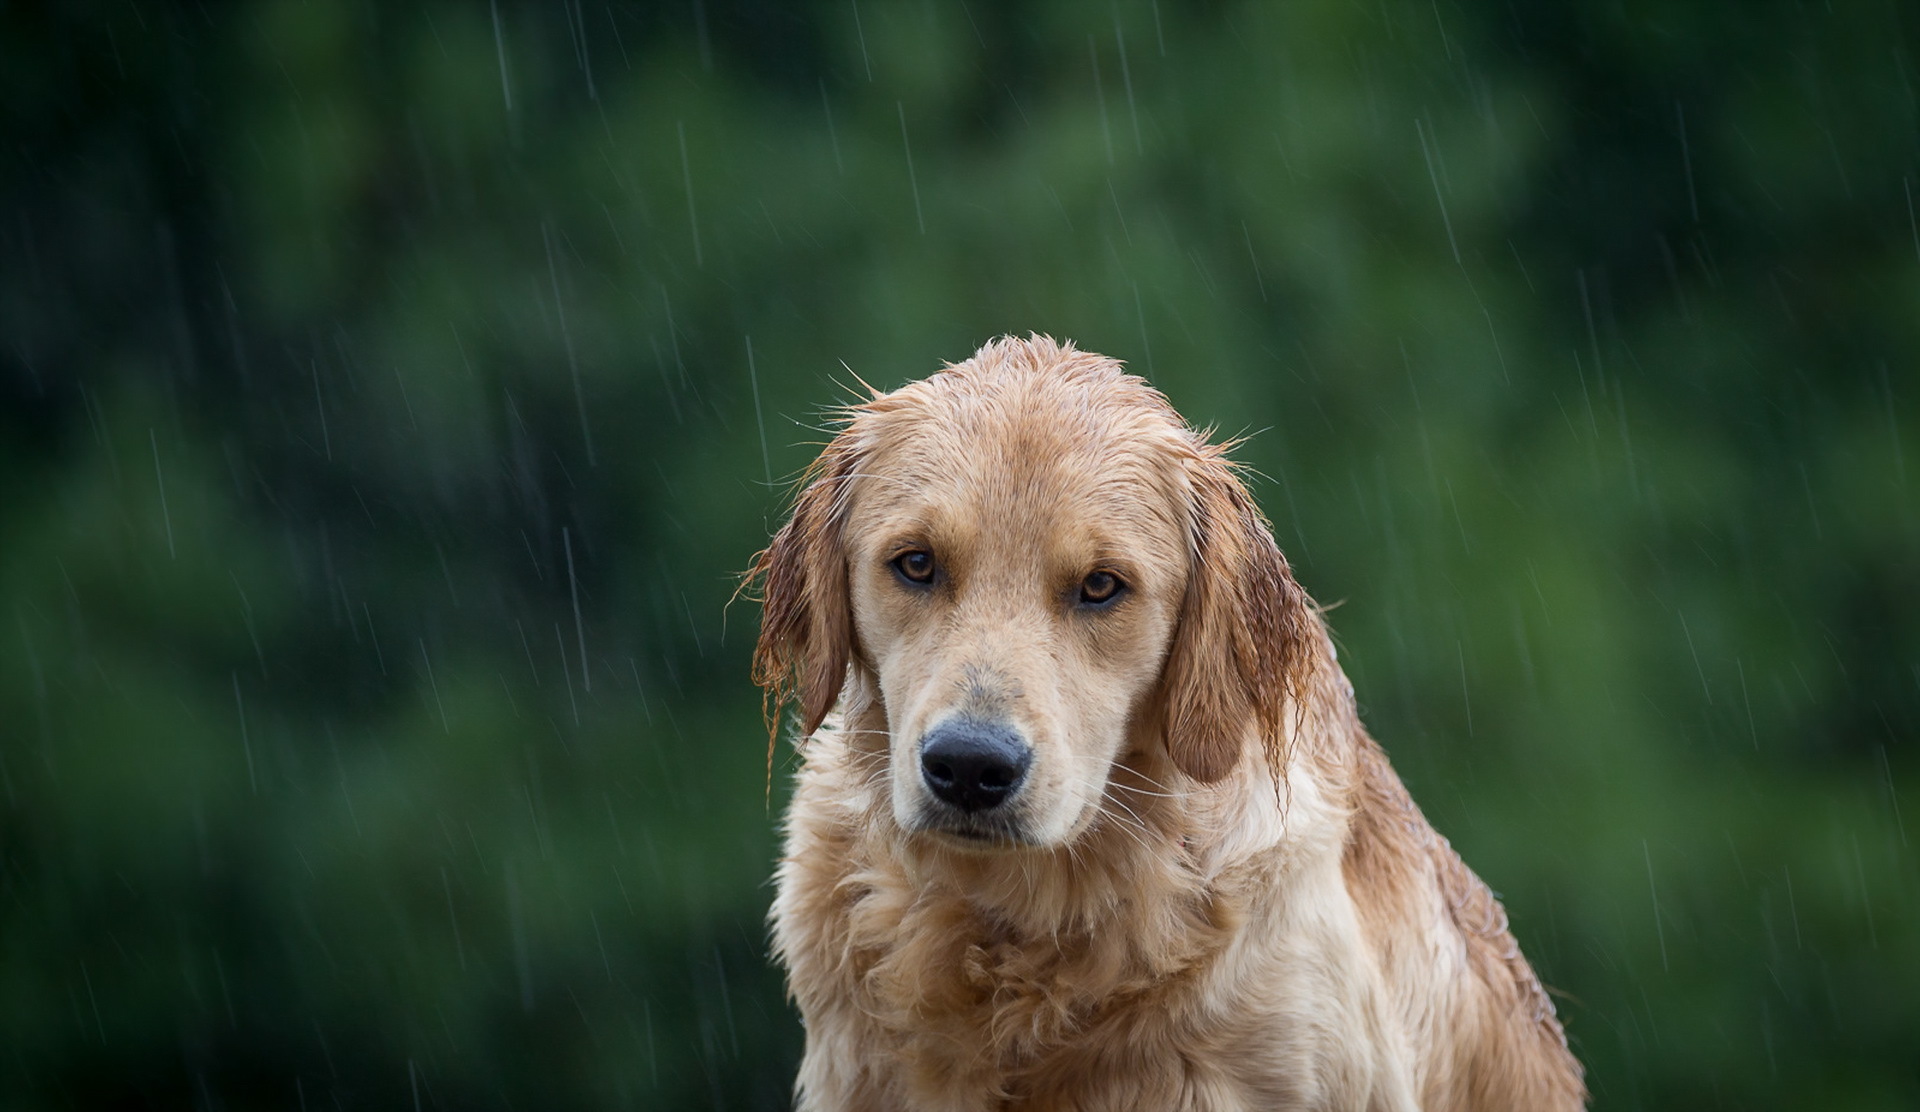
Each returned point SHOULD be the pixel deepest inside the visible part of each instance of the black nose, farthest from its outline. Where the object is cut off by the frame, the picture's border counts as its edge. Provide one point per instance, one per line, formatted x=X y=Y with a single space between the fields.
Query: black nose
x=973 y=765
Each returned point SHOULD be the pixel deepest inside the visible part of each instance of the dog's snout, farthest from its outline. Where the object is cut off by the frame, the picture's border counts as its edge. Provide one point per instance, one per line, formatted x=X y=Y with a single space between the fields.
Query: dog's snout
x=973 y=765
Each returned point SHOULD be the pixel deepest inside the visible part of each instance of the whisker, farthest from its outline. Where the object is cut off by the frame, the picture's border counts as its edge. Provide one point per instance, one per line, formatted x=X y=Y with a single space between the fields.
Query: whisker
x=1136 y=834
x=1130 y=824
x=1168 y=788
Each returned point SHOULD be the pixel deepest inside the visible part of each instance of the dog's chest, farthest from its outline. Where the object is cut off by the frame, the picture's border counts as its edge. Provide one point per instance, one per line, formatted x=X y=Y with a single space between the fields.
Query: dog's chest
x=967 y=1003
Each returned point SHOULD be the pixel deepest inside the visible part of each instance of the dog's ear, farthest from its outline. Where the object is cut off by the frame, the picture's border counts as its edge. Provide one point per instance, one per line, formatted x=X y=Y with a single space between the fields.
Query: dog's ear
x=806 y=623
x=1241 y=652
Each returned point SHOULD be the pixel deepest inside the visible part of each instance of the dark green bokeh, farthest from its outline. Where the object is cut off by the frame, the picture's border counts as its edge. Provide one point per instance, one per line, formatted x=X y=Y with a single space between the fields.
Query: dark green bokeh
x=346 y=346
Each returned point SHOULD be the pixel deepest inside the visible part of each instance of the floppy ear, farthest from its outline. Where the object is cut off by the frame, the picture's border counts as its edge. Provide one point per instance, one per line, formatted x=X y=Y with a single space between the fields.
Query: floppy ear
x=806 y=625
x=1241 y=651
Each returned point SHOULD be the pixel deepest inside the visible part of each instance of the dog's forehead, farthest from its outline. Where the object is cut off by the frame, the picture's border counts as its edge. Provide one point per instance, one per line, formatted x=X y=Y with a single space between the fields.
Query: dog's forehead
x=1004 y=451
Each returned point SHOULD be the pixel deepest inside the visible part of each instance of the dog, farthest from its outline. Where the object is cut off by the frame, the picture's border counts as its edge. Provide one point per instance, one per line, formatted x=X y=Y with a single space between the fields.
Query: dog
x=1086 y=817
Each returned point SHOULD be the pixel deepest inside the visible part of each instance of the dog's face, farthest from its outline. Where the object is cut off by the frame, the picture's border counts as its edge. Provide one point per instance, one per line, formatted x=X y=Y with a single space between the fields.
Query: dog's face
x=1014 y=587
x=1041 y=568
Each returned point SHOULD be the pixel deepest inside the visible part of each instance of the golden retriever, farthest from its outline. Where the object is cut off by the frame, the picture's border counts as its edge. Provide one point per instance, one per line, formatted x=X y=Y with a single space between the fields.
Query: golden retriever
x=1096 y=824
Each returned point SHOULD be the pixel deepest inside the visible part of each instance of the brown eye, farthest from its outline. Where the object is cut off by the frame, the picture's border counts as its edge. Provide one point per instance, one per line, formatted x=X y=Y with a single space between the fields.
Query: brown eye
x=1100 y=588
x=915 y=566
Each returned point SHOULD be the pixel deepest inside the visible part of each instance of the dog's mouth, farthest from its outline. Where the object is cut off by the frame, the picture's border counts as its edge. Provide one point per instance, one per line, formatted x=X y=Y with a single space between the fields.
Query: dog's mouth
x=1013 y=828
x=972 y=832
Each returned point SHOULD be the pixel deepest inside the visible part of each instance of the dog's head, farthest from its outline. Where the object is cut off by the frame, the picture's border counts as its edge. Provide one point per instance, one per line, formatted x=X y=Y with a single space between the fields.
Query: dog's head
x=1042 y=569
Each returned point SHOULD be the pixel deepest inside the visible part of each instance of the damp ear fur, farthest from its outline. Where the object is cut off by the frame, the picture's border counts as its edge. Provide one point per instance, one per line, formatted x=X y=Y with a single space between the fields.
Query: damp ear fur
x=1241 y=652
x=806 y=623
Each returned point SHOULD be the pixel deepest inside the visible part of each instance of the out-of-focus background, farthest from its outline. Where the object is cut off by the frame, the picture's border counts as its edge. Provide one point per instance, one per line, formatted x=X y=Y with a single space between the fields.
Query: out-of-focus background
x=390 y=395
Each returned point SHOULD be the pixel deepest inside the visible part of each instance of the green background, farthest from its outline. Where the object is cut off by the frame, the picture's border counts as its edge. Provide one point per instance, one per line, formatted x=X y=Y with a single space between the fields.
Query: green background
x=391 y=394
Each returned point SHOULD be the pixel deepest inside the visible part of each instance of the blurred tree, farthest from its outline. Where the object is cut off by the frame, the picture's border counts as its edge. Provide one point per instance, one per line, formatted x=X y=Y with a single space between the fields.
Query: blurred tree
x=390 y=395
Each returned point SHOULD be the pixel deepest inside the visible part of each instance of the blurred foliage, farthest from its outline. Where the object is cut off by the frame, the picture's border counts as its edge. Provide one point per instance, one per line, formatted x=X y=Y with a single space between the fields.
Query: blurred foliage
x=391 y=393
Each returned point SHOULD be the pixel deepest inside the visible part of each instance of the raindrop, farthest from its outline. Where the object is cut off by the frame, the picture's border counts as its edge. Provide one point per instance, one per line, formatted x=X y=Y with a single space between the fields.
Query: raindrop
x=346 y=786
x=1458 y=522
x=1140 y=311
x=454 y=920
x=446 y=573
x=566 y=334
x=605 y=962
x=700 y=29
x=1420 y=129
x=1793 y=907
x=646 y=1011
x=432 y=684
x=686 y=179
x=566 y=671
x=1445 y=43
x=500 y=48
x=1466 y=693
x=378 y=656
x=614 y=22
x=862 y=33
x=912 y=180
x=1813 y=511
x=753 y=378
x=1658 y=929
x=246 y=743
x=1893 y=423
x=1686 y=157
x=1593 y=338
x=320 y=407
x=1701 y=671
x=1866 y=893
x=577 y=30
x=522 y=960
x=1099 y=93
x=532 y=669
x=1741 y=668
x=1255 y=259
x=98 y=1025
x=161 y=481
x=1126 y=78
x=833 y=137
x=579 y=627
x=1913 y=225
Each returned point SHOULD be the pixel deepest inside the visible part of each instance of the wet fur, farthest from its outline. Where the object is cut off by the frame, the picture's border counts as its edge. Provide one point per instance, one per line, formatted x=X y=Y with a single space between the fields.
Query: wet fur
x=1250 y=912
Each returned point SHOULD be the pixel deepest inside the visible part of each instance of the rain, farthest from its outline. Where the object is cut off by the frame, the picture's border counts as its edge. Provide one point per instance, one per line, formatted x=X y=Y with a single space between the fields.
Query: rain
x=392 y=743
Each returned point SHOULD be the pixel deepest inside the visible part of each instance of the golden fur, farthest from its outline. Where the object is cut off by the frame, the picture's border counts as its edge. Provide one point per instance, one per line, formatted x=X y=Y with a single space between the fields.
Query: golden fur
x=1209 y=892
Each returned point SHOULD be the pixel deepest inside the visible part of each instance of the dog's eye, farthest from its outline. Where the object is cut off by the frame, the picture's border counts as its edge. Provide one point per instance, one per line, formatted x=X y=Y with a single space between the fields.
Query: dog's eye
x=1100 y=588
x=915 y=566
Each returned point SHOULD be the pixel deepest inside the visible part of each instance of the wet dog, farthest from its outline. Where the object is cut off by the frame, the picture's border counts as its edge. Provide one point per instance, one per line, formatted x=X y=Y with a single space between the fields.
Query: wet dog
x=1087 y=818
